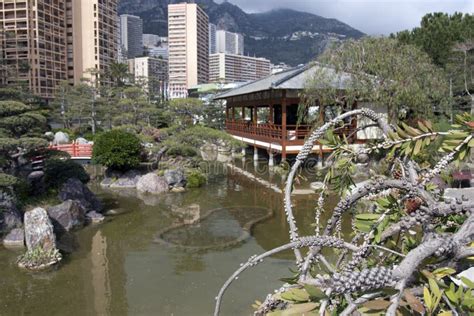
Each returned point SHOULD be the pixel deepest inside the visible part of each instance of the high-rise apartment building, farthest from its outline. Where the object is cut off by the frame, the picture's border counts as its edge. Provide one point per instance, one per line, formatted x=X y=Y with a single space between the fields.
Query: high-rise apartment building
x=131 y=35
x=188 y=36
x=151 y=73
x=3 y=70
x=212 y=38
x=92 y=37
x=34 y=43
x=49 y=41
x=229 y=43
x=226 y=68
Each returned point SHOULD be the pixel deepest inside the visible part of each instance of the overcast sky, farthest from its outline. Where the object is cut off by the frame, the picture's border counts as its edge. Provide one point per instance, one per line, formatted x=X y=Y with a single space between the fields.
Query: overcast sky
x=373 y=17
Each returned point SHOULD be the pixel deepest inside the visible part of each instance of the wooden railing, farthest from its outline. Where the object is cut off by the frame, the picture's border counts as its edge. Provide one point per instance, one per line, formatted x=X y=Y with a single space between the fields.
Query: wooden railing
x=267 y=131
x=273 y=132
x=75 y=150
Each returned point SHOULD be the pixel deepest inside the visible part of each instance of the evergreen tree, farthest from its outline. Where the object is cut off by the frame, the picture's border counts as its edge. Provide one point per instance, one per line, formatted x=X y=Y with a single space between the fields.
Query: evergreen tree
x=438 y=33
x=21 y=134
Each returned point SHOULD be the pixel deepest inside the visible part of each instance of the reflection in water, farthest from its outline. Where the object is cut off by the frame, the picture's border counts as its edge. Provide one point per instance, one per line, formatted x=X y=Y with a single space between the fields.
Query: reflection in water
x=187 y=262
x=100 y=274
x=187 y=215
x=119 y=269
x=217 y=229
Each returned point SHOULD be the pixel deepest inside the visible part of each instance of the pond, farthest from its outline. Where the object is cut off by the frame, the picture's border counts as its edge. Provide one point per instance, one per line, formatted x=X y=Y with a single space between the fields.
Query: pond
x=165 y=255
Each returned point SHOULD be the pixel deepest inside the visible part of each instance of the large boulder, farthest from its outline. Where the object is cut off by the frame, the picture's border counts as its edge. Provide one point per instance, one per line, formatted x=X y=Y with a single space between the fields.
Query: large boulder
x=40 y=242
x=128 y=180
x=39 y=231
x=175 y=178
x=153 y=184
x=82 y=141
x=67 y=216
x=61 y=138
x=74 y=189
x=10 y=217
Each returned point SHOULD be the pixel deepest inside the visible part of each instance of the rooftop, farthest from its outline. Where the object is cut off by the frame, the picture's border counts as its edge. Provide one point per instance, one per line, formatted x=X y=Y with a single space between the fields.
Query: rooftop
x=291 y=79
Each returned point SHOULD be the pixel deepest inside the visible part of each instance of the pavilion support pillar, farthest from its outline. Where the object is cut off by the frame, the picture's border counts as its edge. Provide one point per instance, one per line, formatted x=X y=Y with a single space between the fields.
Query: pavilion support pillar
x=271 y=160
x=254 y=116
x=321 y=161
x=243 y=113
x=271 y=114
x=283 y=126
x=255 y=153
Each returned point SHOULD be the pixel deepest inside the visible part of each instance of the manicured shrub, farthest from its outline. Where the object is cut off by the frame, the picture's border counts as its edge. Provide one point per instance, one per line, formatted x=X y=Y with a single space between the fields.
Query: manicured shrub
x=181 y=150
x=195 y=179
x=117 y=149
x=13 y=187
x=57 y=171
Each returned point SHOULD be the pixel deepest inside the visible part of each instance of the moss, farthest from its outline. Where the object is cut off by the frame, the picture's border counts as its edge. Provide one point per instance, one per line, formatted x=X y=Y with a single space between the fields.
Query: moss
x=195 y=179
x=38 y=259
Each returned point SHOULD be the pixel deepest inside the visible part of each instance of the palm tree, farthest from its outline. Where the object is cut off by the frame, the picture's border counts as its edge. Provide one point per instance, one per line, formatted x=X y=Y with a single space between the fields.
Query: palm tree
x=118 y=73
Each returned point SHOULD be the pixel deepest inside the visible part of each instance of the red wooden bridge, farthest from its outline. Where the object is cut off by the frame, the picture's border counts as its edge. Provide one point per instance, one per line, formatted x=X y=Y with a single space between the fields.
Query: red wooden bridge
x=75 y=150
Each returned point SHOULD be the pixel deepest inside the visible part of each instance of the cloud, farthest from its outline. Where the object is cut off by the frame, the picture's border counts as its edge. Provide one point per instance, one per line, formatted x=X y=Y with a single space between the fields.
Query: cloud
x=373 y=17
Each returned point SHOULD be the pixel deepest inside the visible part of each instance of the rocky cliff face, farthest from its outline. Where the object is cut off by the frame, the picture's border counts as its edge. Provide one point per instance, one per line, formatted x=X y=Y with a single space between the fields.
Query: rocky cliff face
x=282 y=35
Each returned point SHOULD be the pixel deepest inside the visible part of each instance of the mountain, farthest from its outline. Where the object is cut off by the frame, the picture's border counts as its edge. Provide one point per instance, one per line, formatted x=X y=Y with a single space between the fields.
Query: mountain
x=282 y=35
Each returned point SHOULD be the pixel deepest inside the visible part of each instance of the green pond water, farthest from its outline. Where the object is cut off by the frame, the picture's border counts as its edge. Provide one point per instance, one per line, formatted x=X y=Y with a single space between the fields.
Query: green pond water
x=134 y=264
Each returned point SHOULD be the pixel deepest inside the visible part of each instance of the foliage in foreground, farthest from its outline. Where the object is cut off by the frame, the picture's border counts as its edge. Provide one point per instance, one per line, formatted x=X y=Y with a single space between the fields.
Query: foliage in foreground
x=409 y=243
x=117 y=149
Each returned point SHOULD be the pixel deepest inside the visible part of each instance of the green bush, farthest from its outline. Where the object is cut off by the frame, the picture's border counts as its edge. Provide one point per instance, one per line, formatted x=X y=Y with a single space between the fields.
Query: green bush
x=117 y=149
x=195 y=179
x=57 y=171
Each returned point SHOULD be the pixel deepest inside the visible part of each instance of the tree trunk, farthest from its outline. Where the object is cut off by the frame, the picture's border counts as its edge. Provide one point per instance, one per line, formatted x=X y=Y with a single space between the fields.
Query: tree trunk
x=93 y=114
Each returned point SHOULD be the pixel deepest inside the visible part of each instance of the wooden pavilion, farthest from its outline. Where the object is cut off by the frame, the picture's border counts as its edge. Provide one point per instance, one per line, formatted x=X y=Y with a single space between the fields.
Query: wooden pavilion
x=264 y=113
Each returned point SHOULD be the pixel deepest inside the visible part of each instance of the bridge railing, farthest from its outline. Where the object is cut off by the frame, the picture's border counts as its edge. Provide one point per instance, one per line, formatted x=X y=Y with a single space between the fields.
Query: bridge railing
x=75 y=150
